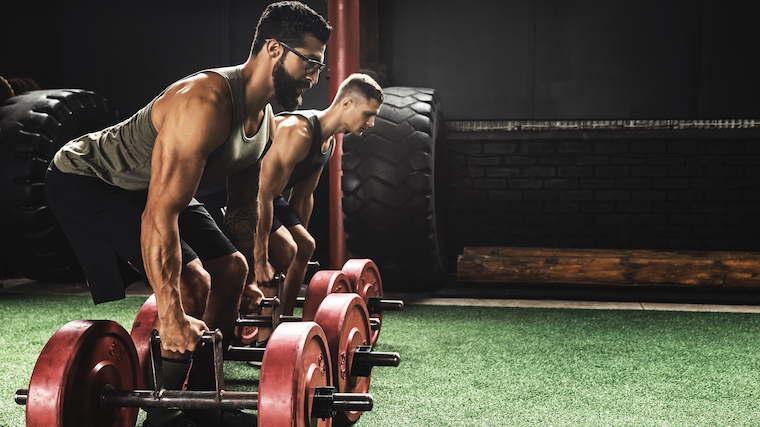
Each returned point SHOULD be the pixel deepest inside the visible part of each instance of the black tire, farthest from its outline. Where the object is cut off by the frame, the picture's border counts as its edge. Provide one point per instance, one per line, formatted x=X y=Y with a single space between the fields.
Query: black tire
x=393 y=202
x=33 y=126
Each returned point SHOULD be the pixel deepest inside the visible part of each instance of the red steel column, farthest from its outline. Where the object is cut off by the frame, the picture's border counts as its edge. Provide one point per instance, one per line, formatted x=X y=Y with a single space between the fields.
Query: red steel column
x=343 y=16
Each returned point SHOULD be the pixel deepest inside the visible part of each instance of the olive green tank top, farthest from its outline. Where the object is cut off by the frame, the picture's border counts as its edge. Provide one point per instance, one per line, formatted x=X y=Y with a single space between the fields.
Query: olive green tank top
x=121 y=154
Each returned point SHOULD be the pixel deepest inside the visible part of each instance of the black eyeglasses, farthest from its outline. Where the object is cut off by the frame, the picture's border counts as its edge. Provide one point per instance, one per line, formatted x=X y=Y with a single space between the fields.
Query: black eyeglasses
x=312 y=66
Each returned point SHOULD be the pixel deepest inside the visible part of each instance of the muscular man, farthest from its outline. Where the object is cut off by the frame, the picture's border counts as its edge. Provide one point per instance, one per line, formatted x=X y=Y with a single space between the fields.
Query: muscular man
x=126 y=192
x=301 y=148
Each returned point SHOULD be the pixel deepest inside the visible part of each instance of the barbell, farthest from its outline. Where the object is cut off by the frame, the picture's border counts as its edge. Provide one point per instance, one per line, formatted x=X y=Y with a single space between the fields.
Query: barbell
x=88 y=375
x=345 y=321
x=360 y=275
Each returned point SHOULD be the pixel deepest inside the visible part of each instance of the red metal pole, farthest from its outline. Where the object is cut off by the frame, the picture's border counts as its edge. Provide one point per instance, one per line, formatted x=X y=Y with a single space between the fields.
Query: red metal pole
x=344 y=60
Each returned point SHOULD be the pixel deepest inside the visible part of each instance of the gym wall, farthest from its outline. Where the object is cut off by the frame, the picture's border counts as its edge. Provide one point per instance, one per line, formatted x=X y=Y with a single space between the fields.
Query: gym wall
x=496 y=60
x=617 y=188
x=576 y=60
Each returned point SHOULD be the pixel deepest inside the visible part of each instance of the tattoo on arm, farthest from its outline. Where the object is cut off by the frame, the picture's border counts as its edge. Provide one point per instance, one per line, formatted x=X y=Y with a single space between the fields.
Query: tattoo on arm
x=243 y=208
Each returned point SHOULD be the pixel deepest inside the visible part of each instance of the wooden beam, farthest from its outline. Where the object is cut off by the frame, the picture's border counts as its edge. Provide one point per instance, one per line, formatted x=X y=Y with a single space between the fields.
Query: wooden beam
x=609 y=267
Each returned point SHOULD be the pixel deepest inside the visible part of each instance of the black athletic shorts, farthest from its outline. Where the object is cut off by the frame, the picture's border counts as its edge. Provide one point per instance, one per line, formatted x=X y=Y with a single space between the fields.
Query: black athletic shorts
x=102 y=223
x=283 y=214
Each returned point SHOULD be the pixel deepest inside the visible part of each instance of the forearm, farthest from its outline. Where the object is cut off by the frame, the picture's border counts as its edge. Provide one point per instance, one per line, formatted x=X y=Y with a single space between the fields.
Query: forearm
x=162 y=258
x=264 y=226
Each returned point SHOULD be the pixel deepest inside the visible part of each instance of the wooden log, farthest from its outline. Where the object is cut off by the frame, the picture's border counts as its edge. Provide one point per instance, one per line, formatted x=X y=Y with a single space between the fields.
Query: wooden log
x=609 y=267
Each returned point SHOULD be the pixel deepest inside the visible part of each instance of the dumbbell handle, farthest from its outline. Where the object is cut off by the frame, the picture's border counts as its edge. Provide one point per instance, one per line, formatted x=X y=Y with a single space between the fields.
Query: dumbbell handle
x=361 y=366
x=244 y=354
x=264 y=321
x=374 y=304
x=378 y=304
x=186 y=399
x=365 y=359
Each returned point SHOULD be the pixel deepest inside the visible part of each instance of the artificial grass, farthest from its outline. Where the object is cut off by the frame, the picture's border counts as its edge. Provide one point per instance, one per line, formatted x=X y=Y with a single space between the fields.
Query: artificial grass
x=468 y=366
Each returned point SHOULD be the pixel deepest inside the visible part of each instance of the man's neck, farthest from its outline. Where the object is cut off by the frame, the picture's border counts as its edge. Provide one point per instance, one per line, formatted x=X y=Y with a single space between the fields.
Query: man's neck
x=259 y=88
x=330 y=121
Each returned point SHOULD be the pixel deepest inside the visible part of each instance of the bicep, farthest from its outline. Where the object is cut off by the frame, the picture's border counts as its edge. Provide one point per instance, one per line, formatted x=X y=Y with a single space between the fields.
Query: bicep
x=194 y=124
x=289 y=147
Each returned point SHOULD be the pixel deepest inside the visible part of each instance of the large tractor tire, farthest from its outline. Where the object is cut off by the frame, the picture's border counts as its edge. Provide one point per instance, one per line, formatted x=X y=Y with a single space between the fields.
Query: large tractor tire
x=394 y=184
x=33 y=126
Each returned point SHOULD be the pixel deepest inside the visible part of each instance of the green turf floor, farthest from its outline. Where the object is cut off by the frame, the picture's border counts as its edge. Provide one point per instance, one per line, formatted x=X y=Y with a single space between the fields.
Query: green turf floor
x=494 y=366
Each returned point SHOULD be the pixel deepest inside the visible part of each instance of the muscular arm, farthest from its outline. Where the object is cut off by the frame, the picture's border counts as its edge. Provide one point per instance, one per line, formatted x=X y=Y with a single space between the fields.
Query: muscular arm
x=192 y=119
x=290 y=146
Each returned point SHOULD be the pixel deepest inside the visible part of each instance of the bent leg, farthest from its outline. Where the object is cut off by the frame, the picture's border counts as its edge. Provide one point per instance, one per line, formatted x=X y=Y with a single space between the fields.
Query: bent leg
x=297 y=270
x=228 y=276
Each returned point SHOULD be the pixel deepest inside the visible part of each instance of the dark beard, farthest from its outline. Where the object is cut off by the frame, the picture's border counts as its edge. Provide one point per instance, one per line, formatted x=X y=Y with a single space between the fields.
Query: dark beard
x=285 y=87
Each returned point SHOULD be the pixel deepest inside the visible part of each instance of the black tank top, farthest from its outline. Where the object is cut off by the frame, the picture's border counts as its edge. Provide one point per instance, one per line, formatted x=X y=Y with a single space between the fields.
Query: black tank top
x=316 y=159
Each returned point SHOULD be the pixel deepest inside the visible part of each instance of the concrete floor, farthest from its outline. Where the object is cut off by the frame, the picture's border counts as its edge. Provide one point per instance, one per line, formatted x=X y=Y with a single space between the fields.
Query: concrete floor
x=512 y=295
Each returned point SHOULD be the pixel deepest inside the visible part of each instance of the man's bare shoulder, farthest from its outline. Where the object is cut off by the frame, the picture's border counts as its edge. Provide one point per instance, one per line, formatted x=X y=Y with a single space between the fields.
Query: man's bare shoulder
x=292 y=128
x=203 y=95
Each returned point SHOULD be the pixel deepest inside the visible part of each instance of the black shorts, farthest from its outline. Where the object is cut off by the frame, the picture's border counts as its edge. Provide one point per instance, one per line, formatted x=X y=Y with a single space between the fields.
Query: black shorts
x=283 y=214
x=102 y=223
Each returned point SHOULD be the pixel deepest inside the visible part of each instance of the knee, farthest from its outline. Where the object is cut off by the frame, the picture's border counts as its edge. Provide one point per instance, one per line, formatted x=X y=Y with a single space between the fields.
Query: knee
x=236 y=268
x=306 y=247
x=291 y=250
x=195 y=288
x=196 y=280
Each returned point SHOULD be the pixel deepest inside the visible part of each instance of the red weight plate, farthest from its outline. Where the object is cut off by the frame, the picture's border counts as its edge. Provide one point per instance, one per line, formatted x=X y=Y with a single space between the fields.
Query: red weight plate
x=245 y=335
x=365 y=280
x=141 y=330
x=72 y=370
x=324 y=283
x=345 y=321
x=295 y=362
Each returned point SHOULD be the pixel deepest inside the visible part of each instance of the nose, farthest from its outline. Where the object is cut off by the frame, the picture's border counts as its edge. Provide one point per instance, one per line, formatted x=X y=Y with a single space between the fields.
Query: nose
x=313 y=78
x=371 y=121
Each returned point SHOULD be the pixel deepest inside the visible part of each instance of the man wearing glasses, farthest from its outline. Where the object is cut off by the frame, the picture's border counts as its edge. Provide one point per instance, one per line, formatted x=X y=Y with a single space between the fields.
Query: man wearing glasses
x=302 y=147
x=125 y=194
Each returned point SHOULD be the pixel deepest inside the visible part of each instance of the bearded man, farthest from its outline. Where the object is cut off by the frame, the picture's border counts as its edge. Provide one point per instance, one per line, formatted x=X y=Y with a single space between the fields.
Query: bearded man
x=125 y=194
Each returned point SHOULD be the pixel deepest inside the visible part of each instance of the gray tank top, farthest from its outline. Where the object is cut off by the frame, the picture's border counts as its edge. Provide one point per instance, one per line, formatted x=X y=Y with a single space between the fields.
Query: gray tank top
x=120 y=155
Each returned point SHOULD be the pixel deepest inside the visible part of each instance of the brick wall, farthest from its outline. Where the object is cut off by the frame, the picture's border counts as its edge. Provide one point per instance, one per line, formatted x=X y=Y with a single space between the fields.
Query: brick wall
x=634 y=189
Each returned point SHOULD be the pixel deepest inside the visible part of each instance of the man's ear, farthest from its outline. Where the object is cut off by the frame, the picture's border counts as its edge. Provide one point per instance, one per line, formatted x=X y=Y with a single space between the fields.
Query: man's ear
x=273 y=48
x=347 y=103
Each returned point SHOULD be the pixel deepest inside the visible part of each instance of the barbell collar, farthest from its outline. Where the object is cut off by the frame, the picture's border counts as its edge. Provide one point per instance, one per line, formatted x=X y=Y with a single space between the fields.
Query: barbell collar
x=374 y=323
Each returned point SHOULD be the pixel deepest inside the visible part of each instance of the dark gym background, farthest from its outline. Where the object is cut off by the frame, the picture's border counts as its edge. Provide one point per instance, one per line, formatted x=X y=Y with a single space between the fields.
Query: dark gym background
x=489 y=60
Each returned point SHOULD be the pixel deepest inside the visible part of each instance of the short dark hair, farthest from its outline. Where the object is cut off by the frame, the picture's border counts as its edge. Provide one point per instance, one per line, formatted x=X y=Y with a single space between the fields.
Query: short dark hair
x=362 y=84
x=289 y=22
